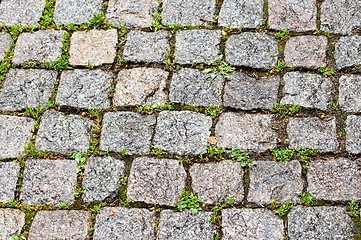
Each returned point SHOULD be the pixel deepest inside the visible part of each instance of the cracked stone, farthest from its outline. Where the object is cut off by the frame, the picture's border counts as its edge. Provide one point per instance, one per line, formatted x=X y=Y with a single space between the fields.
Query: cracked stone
x=101 y=180
x=348 y=52
x=246 y=132
x=14 y=132
x=252 y=49
x=9 y=172
x=192 y=87
x=61 y=224
x=313 y=133
x=247 y=93
x=127 y=130
x=251 y=224
x=49 y=182
x=124 y=223
x=213 y=182
x=156 y=181
x=353 y=134
x=11 y=222
x=350 y=93
x=94 y=47
x=185 y=225
x=325 y=222
x=141 y=86
x=201 y=46
x=84 y=89
x=60 y=133
x=40 y=46
x=182 y=132
x=5 y=44
x=307 y=90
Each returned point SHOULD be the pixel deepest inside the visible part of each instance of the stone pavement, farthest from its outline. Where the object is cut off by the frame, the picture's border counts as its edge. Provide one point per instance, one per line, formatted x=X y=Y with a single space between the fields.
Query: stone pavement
x=178 y=119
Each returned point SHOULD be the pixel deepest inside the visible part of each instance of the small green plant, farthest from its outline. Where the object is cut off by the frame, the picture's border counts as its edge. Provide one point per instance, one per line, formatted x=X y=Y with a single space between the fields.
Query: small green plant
x=125 y=202
x=97 y=207
x=32 y=152
x=284 y=155
x=63 y=63
x=80 y=160
x=282 y=209
x=159 y=152
x=219 y=207
x=264 y=21
x=305 y=155
x=220 y=67
x=17 y=237
x=78 y=192
x=46 y=20
x=171 y=65
x=188 y=201
x=124 y=181
x=354 y=209
x=282 y=111
x=327 y=71
x=279 y=68
x=158 y=108
x=240 y=156
x=125 y=153
x=215 y=152
x=157 y=24
x=122 y=62
x=307 y=199
x=283 y=36
x=214 y=112
x=64 y=206
x=335 y=105
x=97 y=22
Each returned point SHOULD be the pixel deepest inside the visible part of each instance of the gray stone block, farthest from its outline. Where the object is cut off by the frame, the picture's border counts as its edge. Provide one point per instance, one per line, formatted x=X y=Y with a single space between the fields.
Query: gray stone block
x=347 y=52
x=5 y=41
x=349 y=96
x=353 y=134
x=11 y=222
x=9 y=174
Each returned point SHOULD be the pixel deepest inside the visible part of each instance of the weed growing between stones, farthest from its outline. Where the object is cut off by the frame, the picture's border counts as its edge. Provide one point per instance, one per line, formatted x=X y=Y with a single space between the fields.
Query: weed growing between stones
x=216 y=153
x=214 y=112
x=327 y=71
x=282 y=209
x=279 y=68
x=158 y=152
x=284 y=155
x=241 y=157
x=188 y=201
x=282 y=111
x=5 y=64
x=46 y=20
x=307 y=199
x=354 y=210
x=219 y=67
x=282 y=36
x=158 y=108
x=32 y=153
x=216 y=217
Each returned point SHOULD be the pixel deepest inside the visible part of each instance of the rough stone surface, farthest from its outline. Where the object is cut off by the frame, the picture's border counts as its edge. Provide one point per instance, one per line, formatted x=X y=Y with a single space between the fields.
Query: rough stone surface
x=185 y=12
x=14 y=132
x=246 y=132
x=94 y=47
x=41 y=46
x=307 y=90
x=295 y=15
x=182 y=132
x=192 y=87
x=141 y=86
x=101 y=180
x=127 y=130
x=133 y=13
x=11 y=222
x=313 y=133
x=21 y=12
x=244 y=92
x=9 y=172
x=250 y=224
x=156 y=181
x=201 y=46
x=75 y=11
x=353 y=134
x=60 y=133
x=251 y=49
x=60 y=225
x=348 y=52
x=84 y=89
x=350 y=93
x=5 y=40
x=185 y=225
x=124 y=223
x=306 y=51
x=270 y=181
x=335 y=180
x=25 y=88
x=320 y=223
x=213 y=182
x=340 y=17
x=49 y=182
x=241 y=13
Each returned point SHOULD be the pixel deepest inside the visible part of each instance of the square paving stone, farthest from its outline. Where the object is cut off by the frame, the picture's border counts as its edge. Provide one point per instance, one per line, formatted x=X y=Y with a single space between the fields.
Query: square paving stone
x=60 y=133
x=84 y=89
x=14 y=132
x=348 y=52
x=147 y=46
x=75 y=11
x=340 y=17
x=252 y=49
x=127 y=130
x=61 y=224
x=185 y=12
x=183 y=132
x=25 y=88
x=94 y=47
x=244 y=92
x=201 y=46
x=9 y=174
x=307 y=90
x=241 y=13
x=156 y=181
x=353 y=134
x=141 y=86
x=49 y=182
x=320 y=223
x=133 y=13
x=11 y=222
x=293 y=15
x=313 y=133
x=350 y=93
x=270 y=181
x=213 y=182
x=192 y=87
x=334 y=180
x=41 y=46
x=124 y=223
x=101 y=180
x=246 y=132
x=250 y=224
x=5 y=44
x=185 y=225
x=21 y=12
x=306 y=51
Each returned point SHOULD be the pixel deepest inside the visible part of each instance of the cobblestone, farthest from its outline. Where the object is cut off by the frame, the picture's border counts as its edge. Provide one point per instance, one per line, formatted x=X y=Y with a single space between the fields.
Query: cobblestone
x=349 y=95
x=347 y=52
x=9 y=172
x=11 y=222
x=353 y=134
x=5 y=41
